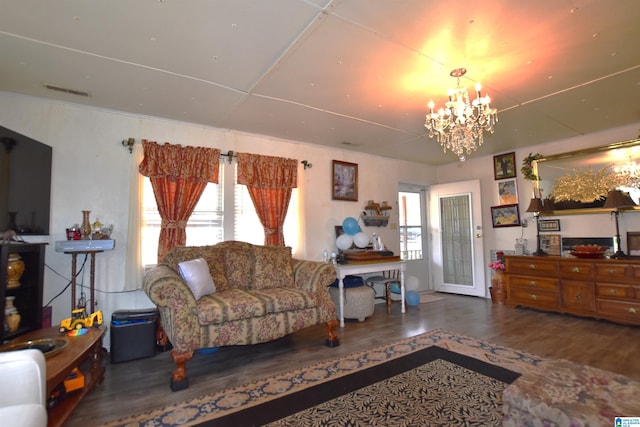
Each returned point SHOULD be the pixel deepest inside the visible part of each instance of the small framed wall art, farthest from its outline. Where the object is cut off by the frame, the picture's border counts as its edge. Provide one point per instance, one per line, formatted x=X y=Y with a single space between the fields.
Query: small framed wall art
x=344 y=181
x=504 y=166
x=548 y=225
x=505 y=216
x=507 y=192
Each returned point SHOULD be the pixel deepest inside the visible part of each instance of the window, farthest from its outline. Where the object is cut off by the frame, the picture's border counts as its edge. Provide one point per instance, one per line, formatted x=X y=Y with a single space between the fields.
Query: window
x=207 y=223
x=410 y=225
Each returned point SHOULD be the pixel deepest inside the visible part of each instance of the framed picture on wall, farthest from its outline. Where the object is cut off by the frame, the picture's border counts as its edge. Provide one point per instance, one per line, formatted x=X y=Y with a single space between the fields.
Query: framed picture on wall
x=507 y=192
x=504 y=166
x=505 y=216
x=548 y=225
x=344 y=181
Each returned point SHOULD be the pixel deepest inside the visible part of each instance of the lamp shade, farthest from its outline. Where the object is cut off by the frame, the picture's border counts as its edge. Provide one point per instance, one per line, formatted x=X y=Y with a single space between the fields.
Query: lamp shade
x=616 y=199
x=535 y=205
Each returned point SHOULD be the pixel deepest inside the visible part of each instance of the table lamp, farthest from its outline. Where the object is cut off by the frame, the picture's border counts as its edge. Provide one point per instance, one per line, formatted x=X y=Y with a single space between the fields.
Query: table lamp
x=617 y=200
x=536 y=206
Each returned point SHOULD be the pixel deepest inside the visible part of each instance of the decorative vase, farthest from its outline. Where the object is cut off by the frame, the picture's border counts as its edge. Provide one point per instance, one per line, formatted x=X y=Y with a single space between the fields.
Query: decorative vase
x=11 y=315
x=498 y=288
x=15 y=269
x=85 y=228
x=13 y=321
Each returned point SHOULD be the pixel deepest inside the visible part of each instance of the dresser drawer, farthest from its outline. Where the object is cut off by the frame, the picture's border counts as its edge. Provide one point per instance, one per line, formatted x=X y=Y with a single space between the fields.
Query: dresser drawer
x=533 y=283
x=578 y=296
x=613 y=271
x=534 y=266
x=613 y=290
x=576 y=270
x=619 y=309
x=536 y=299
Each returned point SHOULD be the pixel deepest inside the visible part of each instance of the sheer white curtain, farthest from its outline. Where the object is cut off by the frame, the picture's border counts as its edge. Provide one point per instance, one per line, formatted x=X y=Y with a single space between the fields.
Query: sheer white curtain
x=134 y=269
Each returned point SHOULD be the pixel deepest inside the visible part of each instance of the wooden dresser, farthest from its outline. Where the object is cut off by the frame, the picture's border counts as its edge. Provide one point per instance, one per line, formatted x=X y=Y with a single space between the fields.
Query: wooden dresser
x=599 y=288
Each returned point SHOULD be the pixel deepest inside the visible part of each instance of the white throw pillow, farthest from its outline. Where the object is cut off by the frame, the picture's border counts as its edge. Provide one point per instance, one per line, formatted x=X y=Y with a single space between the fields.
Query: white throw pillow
x=196 y=274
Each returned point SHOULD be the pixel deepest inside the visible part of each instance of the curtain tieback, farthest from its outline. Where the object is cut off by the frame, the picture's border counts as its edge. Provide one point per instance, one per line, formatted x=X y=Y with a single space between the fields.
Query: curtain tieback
x=270 y=231
x=172 y=223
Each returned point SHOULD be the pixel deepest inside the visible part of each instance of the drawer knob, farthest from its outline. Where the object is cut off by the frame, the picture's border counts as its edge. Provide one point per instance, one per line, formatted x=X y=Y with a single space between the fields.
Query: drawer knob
x=532 y=283
x=632 y=310
x=576 y=269
x=532 y=266
x=578 y=296
x=533 y=297
x=612 y=291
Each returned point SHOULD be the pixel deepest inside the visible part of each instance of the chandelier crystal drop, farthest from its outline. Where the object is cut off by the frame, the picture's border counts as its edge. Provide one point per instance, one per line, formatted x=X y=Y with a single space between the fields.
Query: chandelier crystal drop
x=459 y=126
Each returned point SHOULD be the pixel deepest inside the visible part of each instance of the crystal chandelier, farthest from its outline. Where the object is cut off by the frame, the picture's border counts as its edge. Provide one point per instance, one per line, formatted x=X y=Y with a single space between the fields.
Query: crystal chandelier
x=459 y=126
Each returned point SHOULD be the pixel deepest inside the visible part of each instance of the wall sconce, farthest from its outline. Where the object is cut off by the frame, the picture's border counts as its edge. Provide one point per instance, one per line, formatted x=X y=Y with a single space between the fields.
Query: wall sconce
x=307 y=164
x=129 y=143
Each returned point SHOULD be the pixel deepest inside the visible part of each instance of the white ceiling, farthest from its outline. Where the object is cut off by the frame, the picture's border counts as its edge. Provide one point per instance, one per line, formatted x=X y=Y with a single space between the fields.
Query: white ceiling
x=350 y=74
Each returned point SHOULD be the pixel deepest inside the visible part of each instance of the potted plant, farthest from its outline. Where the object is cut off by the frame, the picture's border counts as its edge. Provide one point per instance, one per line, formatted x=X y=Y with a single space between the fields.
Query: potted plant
x=498 y=279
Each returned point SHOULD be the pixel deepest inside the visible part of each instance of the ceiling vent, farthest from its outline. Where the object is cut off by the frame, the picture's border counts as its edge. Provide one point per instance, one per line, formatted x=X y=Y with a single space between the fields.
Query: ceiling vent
x=66 y=90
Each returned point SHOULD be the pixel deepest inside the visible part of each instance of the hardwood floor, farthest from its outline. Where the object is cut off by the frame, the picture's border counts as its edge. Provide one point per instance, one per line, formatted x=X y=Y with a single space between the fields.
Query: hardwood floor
x=140 y=385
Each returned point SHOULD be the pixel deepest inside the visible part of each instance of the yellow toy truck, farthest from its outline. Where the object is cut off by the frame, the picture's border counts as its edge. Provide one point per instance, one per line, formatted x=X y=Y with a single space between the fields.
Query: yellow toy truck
x=79 y=320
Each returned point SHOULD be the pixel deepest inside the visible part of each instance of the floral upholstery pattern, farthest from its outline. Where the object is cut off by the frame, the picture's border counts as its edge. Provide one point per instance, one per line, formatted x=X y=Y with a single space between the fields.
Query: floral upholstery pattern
x=247 y=307
x=564 y=393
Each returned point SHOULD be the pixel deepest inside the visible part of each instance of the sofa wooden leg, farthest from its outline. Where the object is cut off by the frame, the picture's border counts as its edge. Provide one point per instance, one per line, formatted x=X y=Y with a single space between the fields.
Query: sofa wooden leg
x=332 y=338
x=179 y=379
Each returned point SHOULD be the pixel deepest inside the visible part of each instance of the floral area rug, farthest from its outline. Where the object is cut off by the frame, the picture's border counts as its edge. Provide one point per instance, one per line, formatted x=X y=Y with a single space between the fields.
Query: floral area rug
x=436 y=378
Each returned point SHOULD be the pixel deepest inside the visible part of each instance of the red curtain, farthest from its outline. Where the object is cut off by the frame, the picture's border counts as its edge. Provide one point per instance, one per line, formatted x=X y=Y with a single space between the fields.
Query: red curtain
x=178 y=176
x=269 y=181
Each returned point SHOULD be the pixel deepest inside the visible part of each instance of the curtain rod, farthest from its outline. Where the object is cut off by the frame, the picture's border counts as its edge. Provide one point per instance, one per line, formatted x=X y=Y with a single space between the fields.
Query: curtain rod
x=130 y=142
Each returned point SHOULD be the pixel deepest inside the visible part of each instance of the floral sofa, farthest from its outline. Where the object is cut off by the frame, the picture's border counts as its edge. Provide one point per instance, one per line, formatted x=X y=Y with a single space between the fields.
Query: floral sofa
x=253 y=294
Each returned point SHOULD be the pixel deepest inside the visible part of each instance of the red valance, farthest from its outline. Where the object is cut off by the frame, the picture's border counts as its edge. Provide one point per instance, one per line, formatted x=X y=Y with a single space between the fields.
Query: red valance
x=267 y=171
x=194 y=164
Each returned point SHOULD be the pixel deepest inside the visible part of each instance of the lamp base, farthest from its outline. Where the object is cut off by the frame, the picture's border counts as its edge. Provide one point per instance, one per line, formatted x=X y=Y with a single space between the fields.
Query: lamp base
x=619 y=255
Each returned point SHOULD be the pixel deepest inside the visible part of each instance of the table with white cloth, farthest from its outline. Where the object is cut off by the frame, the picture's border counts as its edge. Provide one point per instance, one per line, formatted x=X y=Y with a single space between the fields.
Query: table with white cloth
x=342 y=270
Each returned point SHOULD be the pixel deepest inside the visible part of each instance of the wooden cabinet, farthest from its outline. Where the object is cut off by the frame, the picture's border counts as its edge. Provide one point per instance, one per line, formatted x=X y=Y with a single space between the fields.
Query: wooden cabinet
x=27 y=296
x=600 y=288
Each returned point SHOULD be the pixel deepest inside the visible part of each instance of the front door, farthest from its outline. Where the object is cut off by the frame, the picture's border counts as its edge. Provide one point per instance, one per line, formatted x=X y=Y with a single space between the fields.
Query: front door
x=456 y=234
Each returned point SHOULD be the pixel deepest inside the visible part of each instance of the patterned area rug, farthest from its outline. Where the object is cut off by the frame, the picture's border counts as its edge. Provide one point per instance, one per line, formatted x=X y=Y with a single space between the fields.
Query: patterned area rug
x=436 y=378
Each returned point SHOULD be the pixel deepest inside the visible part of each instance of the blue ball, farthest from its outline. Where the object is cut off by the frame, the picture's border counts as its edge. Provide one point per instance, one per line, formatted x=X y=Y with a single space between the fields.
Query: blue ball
x=350 y=226
x=413 y=298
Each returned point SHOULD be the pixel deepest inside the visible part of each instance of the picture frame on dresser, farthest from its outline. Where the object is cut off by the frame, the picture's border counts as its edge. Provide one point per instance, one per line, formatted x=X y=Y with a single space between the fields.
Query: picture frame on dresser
x=551 y=244
x=633 y=244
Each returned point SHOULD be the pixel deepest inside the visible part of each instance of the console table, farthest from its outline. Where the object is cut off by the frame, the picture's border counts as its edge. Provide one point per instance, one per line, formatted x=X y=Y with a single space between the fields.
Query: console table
x=600 y=288
x=342 y=270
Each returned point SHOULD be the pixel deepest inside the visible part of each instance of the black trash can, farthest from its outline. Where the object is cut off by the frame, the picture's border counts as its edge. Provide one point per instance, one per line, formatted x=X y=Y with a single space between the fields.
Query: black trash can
x=133 y=334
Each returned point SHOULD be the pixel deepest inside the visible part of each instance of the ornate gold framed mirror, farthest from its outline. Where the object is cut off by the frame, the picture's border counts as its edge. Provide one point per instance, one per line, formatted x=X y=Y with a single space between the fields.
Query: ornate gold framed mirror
x=578 y=181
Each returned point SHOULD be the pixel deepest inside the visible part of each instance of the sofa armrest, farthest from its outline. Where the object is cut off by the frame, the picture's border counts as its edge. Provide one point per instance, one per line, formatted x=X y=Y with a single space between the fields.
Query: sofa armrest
x=313 y=275
x=177 y=306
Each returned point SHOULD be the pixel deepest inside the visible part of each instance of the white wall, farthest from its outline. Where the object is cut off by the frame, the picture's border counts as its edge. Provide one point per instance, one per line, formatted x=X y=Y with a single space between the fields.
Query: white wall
x=600 y=225
x=91 y=171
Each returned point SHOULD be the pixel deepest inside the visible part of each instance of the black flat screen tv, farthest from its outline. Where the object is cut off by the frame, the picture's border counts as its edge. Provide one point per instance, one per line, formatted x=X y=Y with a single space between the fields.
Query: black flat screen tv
x=25 y=184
